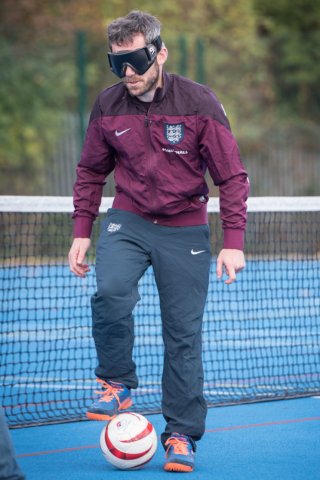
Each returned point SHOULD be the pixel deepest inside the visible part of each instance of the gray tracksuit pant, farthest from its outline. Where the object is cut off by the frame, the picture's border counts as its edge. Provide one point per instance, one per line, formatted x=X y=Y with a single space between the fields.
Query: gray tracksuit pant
x=9 y=469
x=180 y=257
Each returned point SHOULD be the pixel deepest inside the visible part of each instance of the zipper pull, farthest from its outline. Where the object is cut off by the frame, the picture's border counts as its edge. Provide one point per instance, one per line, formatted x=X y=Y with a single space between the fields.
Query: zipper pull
x=146 y=122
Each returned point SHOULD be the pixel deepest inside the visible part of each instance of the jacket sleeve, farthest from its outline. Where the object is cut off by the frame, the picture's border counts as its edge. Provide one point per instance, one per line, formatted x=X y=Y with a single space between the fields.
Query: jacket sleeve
x=220 y=152
x=97 y=161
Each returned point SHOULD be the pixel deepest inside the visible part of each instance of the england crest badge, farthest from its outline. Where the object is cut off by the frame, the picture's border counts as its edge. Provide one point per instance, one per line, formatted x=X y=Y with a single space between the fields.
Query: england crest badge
x=174 y=132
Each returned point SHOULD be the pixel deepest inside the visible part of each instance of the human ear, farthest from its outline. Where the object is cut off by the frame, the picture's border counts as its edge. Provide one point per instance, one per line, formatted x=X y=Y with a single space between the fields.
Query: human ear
x=162 y=56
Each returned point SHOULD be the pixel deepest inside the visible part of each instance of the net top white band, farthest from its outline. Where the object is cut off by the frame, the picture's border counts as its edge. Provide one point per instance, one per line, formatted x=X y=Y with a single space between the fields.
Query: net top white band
x=43 y=204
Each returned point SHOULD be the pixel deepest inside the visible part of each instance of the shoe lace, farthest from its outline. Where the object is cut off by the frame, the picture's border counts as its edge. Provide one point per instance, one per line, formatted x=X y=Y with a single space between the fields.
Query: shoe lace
x=110 y=391
x=180 y=445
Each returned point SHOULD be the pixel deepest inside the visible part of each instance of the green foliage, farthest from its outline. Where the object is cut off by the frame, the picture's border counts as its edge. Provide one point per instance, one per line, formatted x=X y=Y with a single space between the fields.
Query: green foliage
x=29 y=116
x=291 y=29
x=261 y=57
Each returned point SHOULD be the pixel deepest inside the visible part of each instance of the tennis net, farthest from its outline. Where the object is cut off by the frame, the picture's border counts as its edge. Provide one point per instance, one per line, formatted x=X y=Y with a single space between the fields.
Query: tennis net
x=261 y=335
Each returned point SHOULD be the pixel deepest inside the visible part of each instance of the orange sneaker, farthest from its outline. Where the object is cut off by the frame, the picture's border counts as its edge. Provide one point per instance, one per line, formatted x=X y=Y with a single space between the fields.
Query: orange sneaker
x=179 y=454
x=114 y=397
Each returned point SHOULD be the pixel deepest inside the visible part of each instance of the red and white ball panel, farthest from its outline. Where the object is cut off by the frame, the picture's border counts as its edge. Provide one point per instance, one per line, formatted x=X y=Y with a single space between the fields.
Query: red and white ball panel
x=128 y=441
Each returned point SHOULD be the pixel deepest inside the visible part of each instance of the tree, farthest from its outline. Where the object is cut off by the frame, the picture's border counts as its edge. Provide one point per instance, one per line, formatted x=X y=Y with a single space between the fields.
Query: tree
x=291 y=29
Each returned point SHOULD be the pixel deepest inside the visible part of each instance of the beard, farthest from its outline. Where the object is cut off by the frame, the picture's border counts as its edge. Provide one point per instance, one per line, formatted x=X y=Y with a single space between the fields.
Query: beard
x=139 y=85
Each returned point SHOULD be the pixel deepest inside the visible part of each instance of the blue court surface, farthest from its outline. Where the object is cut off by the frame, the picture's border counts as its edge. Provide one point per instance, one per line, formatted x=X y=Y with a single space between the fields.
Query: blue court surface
x=277 y=440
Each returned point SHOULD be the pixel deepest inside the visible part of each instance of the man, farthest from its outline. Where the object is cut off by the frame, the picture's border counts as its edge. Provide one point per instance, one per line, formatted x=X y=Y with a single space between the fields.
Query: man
x=9 y=469
x=158 y=133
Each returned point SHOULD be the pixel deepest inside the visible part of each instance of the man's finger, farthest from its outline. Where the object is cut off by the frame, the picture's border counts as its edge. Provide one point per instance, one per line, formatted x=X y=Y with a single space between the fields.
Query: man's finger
x=238 y=269
x=73 y=261
x=80 y=270
x=231 y=274
x=76 y=256
x=77 y=267
x=81 y=256
x=219 y=268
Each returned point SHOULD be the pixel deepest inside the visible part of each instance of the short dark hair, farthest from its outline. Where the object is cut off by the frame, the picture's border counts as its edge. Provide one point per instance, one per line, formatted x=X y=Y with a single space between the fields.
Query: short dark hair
x=123 y=29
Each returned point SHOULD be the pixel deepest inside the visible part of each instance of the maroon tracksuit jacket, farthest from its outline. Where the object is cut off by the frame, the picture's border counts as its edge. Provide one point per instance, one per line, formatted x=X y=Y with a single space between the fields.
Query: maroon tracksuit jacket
x=159 y=153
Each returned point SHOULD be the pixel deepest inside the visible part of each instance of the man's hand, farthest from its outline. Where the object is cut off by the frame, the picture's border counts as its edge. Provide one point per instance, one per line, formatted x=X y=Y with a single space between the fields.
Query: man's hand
x=232 y=261
x=76 y=256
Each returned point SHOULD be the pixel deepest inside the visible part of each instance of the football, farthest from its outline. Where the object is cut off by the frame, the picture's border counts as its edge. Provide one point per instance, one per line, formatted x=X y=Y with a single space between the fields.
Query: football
x=128 y=441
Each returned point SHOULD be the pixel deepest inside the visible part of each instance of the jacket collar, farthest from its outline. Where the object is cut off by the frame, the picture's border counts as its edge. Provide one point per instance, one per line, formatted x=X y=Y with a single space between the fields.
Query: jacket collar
x=161 y=91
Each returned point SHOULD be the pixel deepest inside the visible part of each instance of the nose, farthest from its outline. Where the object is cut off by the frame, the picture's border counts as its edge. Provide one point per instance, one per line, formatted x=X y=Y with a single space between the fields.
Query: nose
x=128 y=71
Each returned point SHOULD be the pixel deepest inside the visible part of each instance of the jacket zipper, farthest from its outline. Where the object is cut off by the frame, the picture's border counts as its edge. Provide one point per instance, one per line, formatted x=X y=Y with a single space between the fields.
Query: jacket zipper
x=151 y=163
